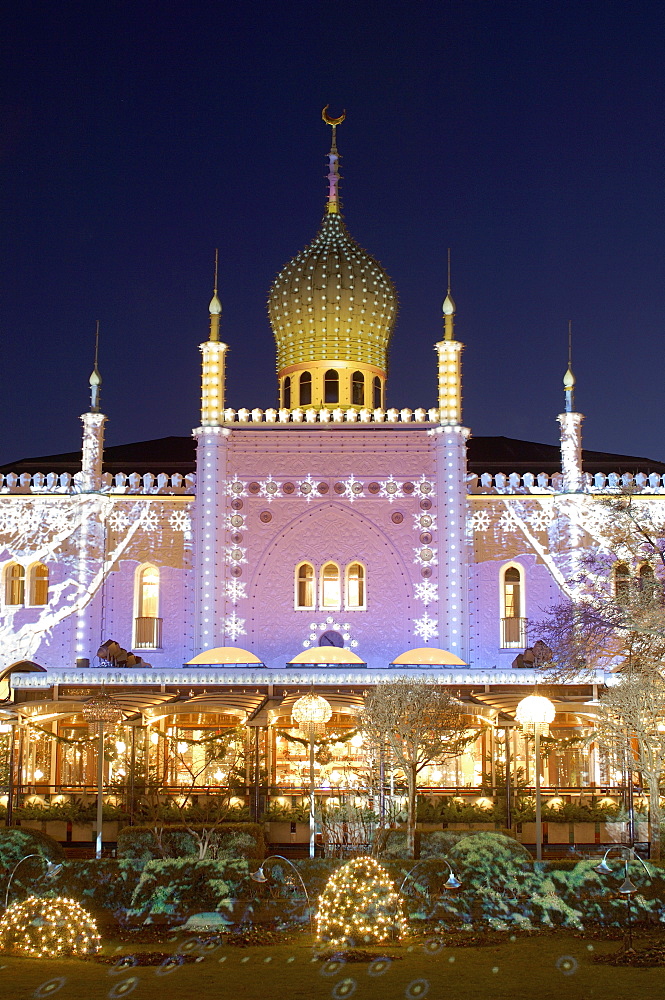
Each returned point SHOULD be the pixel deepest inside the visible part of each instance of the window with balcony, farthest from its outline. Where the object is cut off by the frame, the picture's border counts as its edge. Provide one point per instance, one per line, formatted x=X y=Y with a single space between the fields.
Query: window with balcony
x=513 y=622
x=147 y=623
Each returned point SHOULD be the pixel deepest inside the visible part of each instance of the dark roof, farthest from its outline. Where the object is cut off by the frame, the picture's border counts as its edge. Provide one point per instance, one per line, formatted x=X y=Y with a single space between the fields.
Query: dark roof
x=486 y=454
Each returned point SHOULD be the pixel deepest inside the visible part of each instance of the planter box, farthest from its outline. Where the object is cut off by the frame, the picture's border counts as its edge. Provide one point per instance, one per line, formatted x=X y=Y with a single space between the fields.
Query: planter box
x=585 y=833
x=558 y=833
x=57 y=828
x=453 y=827
x=110 y=830
x=82 y=833
x=613 y=833
x=280 y=833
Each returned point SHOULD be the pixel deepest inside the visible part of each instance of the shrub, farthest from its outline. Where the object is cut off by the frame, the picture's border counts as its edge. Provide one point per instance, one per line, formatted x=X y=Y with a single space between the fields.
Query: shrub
x=105 y=887
x=175 y=889
x=15 y=844
x=228 y=841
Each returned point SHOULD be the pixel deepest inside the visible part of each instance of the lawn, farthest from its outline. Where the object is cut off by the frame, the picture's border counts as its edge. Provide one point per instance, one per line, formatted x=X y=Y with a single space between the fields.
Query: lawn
x=547 y=967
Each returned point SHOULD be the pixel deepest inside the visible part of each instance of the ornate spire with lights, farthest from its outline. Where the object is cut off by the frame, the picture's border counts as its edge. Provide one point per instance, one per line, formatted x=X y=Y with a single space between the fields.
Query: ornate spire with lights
x=92 y=453
x=570 y=423
x=213 y=381
x=449 y=352
x=95 y=378
x=332 y=309
x=569 y=378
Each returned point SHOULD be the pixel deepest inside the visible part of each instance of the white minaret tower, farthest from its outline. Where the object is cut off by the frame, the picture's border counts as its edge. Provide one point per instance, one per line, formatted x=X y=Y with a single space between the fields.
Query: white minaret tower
x=211 y=476
x=570 y=423
x=93 y=432
x=451 y=490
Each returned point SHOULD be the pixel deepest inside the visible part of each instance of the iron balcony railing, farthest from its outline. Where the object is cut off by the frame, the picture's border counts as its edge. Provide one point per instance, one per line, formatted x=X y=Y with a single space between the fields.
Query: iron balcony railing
x=513 y=633
x=147 y=633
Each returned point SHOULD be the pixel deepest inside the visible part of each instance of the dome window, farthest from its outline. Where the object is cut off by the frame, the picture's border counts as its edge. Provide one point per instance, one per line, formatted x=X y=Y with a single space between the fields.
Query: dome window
x=305 y=398
x=358 y=389
x=377 y=393
x=331 y=386
x=286 y=393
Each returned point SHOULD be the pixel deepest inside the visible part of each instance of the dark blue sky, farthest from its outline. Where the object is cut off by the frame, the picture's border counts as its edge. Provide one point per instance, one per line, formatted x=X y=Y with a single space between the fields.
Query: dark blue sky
x=527 y=136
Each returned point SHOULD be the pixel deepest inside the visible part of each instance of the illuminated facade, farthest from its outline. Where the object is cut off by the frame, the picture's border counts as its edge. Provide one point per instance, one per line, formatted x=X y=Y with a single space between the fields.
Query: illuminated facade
x=330 y=530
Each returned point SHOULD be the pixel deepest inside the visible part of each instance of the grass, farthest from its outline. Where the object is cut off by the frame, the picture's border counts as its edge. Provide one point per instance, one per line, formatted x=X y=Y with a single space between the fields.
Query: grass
x=545 y=967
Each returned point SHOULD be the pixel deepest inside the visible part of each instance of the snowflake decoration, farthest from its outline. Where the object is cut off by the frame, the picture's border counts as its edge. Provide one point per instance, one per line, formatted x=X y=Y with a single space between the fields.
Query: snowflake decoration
x=427 y=592
x=308 y=488
x=236 y=488
x=239 y=520
x=539 y=519
x=507 y=521
x=180 y=521
x=344 y=629
x=420 y=525
x=352 y=488
x=118 y=520
x=150 y=520
x=235 y=590
x=269 y=489
x=480 y=521
x=425 y=486
x=235 y=554
x=425 y=555
x=391 y=490
x=234 y=626
x=426 y=627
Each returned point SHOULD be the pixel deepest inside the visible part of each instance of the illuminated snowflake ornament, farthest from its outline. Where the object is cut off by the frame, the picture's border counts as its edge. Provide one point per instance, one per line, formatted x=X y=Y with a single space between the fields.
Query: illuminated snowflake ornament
x=235 y=590
x=390 y=490
x=507 y=522
x=427 y=592
x=480 y=520
x=234 y=626
x=539 y=519
x=269 y=489
x=180 y=521
x=117 y=519
x=426 y=627
x=150 y=521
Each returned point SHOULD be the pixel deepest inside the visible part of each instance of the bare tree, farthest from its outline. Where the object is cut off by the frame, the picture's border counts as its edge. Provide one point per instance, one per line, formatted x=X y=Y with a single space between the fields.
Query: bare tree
x=631 y=731
x=421 y=724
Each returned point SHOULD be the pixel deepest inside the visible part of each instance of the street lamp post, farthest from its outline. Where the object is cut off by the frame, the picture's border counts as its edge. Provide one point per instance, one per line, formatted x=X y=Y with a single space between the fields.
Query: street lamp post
x=98 y=710
x=260 y=876
x=535 y=713
x=311 y=712
x=51 y=871
x=627 y=888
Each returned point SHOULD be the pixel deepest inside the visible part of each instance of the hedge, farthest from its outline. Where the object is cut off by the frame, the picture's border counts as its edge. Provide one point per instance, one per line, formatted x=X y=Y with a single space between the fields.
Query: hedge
x=16 y=844
x=229 y=841
x=174 y=889
x=105 y=887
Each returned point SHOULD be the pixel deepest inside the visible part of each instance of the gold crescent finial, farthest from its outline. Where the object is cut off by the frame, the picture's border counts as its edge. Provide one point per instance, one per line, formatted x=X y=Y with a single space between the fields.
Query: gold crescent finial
x=332 y=121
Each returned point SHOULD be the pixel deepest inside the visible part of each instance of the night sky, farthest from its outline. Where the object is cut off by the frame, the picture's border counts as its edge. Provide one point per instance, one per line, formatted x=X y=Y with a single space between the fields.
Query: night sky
x=527 y=136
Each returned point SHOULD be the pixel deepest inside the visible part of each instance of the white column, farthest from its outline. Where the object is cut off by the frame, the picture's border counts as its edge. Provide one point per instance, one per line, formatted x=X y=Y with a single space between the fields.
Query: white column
x=452 y=511
x=93 y=451
x=209 y=528
x=571 y=451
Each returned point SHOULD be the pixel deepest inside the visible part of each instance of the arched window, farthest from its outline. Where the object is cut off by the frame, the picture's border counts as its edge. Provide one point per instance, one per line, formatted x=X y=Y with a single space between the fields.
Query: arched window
x=286 y=392
x=15 y=584
x=330 y=595
x=621 y=582
x=647 y=583
x=513 y=631
x=355 y=587
x=358 y=389
x=331 y=386
x=39 y=584
x=305 y=396
x=147 y=624
x=305 y=595
x=376 y=393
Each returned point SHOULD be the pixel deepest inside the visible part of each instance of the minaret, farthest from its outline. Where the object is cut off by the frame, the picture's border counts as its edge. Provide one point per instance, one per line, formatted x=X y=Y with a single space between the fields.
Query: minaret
x=211 y=474
x=93 y=432
x=451 y=473
x=571 y=432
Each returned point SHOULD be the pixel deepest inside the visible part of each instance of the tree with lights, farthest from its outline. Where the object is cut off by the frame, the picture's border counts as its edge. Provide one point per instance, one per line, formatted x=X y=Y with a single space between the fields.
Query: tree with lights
x=359 y=906
x=421 y=724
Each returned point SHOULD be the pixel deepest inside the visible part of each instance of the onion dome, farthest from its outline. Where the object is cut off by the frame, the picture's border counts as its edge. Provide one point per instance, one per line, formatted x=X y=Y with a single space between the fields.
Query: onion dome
x=332 y=307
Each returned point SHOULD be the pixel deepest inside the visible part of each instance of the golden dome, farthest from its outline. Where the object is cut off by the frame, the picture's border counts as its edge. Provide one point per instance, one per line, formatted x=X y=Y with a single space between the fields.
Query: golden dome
x=333 y=305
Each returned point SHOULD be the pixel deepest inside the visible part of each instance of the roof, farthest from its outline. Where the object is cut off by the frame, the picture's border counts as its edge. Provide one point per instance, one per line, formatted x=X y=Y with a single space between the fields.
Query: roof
x=486 y=454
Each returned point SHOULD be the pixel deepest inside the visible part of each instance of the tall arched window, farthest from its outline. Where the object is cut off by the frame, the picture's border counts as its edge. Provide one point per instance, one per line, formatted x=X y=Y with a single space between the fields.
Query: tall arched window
x=39 y=584
x=147 y=624
x=305 y=395
x=358 y=389
x=512 y=609
x=15 y=584
x=621 y=582
x=286 y=392
x=305 y=589
x=355 y=587
x=376 y=393
x=331 y=386
x=330 y=590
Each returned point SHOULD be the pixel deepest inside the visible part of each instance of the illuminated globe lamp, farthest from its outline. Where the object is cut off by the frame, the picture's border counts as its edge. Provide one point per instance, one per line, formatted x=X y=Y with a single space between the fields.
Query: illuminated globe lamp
x=534 y=714
x=311 y=712
x=48 y=928
x=99 y=711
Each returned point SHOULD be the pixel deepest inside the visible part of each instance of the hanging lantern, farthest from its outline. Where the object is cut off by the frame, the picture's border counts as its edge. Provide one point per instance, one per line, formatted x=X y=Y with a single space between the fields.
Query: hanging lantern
x=323 y=756
x=101 y=710
x=311 y=712
x=535 y=713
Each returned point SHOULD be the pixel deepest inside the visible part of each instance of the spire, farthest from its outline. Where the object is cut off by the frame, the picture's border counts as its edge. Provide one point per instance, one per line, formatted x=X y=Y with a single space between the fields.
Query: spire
x=95 y=378
x=448 y=309
x=332 y=207
x=215 y=307
x=569 y=378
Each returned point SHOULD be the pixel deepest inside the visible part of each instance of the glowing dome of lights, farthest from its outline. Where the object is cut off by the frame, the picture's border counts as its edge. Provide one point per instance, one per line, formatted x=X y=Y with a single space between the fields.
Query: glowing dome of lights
x=332 y=302
x=47 y=928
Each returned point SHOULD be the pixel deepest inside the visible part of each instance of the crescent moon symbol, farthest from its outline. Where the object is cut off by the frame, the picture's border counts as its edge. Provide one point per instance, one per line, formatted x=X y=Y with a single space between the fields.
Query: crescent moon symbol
x=332 y=121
